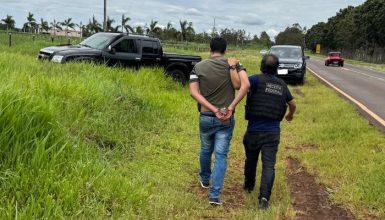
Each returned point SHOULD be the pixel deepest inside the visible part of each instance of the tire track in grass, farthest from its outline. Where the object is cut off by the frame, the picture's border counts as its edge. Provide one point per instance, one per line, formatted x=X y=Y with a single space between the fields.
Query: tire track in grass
x=310 y=199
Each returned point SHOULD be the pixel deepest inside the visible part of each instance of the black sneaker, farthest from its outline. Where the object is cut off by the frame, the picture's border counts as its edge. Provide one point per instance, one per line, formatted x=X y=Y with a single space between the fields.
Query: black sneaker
x=263 y=203
x=248 y=189
x=204 y=185
x=214 y=202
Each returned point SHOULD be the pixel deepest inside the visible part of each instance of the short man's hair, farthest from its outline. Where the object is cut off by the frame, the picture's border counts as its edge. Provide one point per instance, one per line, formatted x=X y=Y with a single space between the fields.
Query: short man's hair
x=269 y=64
x=218 y=45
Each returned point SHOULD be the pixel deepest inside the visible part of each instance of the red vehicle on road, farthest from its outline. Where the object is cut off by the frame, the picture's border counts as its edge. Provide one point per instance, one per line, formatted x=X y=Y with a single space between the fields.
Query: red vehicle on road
x=334 y=58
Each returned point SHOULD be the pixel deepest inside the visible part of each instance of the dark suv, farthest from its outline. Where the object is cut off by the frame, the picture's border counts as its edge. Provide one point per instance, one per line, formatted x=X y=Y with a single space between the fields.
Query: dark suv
x=292 y=62
x=125 y=50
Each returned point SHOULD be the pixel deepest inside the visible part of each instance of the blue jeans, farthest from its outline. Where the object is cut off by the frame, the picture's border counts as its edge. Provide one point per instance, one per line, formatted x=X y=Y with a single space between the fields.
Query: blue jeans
x=215 y=137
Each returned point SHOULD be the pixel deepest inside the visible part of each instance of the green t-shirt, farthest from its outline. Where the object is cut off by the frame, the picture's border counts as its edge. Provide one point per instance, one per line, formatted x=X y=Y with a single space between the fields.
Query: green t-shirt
x=214 y=80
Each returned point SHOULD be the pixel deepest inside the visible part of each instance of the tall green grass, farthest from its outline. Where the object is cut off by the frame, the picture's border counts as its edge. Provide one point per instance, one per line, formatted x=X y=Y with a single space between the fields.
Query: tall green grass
x=62 y=127
x=347 y=154
x=88 y=141
x=83 y=141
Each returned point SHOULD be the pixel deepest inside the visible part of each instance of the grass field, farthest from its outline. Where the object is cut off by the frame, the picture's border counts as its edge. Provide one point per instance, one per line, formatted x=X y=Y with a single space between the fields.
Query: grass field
x=82 y=141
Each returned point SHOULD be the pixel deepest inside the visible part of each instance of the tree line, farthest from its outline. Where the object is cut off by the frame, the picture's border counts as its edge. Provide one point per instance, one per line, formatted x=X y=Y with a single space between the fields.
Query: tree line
x=294 y=35
x=357 y=31
x=184 y=31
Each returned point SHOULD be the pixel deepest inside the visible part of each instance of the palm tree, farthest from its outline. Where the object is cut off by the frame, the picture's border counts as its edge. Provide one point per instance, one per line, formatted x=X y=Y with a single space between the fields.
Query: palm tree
x=43 y=25
x=126 y=26
x=68 y=24
x=94 y=26
x=153 y=29
x=186 y=29
x=110 y=28
x=55 y=25
x=9 y=22
x=169 y=31
x=139 y=30
x=31 y=22
x=190 y=31
x=81 y=27
x=183 y=28
x=168 y=26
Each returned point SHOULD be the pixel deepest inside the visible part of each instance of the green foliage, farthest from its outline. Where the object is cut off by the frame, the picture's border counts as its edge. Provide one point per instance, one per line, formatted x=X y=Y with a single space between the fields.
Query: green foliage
x=265 y=39
x=30 y=25
x=59 y=130
x=128 y=28
x=68 y=24
x=291 y=36
x=9 y=22
x=351 y=28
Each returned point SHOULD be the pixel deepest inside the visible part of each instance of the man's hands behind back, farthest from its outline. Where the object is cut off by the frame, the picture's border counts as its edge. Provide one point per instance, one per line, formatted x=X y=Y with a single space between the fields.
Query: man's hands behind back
x=224 y=114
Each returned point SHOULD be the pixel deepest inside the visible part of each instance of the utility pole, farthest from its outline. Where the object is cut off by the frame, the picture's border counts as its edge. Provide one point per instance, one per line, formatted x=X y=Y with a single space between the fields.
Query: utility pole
x=105 y=16
x=214 y=34
x=81 y=30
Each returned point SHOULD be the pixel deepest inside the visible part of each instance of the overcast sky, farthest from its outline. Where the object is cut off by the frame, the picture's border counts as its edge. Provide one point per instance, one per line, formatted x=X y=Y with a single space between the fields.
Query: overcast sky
x=254 y=16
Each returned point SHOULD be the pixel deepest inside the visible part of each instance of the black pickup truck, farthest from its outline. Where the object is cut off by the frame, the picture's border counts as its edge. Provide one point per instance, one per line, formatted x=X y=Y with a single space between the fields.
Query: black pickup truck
x=126 y=50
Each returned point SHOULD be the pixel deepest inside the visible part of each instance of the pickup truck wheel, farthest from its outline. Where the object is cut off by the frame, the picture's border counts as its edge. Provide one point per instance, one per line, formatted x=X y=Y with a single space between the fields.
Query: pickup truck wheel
x=342 y=64
x=178 y=75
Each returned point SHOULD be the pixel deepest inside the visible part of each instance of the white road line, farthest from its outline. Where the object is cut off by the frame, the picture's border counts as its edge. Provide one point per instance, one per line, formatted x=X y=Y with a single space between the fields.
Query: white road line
x=359 y=104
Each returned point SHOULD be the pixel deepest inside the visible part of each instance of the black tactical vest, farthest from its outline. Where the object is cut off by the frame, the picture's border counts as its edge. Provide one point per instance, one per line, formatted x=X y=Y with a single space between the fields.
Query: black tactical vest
x=269 y=101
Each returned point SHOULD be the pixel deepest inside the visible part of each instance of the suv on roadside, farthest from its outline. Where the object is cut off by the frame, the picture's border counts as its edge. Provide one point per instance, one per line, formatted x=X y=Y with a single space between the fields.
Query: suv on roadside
x=292 y=62
x=125 y=50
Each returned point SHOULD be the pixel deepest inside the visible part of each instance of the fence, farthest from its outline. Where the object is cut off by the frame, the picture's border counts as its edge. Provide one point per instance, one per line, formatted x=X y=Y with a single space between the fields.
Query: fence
x=186 y=46
x=17 y=38
x=376 y=55
x=22 y=39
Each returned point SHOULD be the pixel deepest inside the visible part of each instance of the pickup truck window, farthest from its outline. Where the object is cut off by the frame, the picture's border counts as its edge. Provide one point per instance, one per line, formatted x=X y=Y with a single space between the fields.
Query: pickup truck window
x=126 y=46
x=147 y=47
x=150 y=47
x=98 y=41
x=156 y=48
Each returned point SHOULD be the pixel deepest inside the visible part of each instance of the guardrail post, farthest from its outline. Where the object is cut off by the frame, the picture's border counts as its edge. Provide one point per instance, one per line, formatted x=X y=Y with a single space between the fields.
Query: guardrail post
x=10 y=39
x=69 y=40
x=52 y=39
x=33 y=38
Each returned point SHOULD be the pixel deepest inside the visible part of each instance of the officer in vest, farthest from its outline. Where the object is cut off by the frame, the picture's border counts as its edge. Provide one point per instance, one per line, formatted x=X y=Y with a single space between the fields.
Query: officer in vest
x=266 y=106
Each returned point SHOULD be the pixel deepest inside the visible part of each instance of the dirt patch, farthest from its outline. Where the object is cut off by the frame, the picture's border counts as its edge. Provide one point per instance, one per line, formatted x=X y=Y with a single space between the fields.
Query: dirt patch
x=234 y=197
x=299 y=92
x=303 y=147
x=102 y=142
x=311 y=200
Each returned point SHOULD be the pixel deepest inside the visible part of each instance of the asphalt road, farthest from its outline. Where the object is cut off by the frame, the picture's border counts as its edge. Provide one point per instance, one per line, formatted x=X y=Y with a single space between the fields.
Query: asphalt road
x=365 y=86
